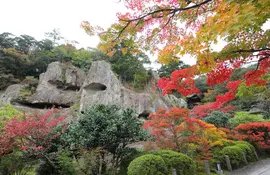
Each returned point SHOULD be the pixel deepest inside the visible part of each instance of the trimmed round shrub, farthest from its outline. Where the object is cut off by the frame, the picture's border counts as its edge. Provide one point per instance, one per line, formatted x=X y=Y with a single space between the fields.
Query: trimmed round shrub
x=235 y=154
x=183 y=164
x=248 y=148
x=148 y=164
x=217 y=118
x=246 y=143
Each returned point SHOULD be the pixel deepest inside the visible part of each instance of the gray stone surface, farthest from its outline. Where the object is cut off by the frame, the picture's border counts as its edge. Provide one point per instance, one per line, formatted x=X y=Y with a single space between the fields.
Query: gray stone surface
x=261 y=167
x=11 y=93
x=64 y=85
x=175 y=102
x=58 y=85
x=101 y=86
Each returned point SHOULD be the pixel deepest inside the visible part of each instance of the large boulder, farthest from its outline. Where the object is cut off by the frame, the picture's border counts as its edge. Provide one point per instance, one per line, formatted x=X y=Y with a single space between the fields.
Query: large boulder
x=59 y=85
x=101 y=86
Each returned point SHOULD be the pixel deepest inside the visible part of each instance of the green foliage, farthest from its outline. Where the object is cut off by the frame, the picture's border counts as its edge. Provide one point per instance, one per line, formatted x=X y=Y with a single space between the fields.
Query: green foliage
x=88 y=161
x=246 y=143
x=54 y=36
x=7 y=112
x=217 y=118
x=108 y=127
x=7 y=80
x=245 y=117
x=16 y=163
x=6 y=40
x=201 y=84
x=247 y=150
x=82 y=59
x=250 y=92
x=140 y=80
x=182 y=163
x=59 y=163
x=64 y=52
x=166 y=70
x=133 y=154
x=239 y=73
x=234 y=153
x=66 y=164
x=217 y=90
x=148 y=165
x=29 y=89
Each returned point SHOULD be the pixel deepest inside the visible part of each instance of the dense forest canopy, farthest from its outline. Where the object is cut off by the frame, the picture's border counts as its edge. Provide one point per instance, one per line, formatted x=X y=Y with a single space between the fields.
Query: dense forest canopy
x=22 y=56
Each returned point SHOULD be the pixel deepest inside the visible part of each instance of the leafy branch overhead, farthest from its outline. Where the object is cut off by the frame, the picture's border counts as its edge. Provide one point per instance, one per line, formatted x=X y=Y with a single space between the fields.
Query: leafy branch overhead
x=177 y=27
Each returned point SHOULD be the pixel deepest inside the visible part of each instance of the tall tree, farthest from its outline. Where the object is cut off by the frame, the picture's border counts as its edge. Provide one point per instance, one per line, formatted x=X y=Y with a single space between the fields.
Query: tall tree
x=6 y=40
x=54 y=35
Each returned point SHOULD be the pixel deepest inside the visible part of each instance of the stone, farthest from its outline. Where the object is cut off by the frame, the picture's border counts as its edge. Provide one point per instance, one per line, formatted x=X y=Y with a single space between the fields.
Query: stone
x=257 y=111
x=11 y=93
x=59 y=85
x=100 y=86
x=175 y=102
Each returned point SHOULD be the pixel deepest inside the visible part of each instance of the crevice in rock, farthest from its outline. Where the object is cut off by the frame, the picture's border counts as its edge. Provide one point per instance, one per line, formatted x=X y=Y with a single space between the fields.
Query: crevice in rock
x=144 y=114
x=96 y=87
x=41 y=105
x=63 y=86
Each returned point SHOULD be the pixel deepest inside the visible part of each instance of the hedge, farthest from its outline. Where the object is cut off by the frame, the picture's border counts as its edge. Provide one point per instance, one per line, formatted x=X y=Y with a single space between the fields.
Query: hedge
x=148 y=164
x=235 y=153
x=183 y=164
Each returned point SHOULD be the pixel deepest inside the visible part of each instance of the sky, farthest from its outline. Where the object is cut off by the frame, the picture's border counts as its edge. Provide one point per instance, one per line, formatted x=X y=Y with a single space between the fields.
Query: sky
x=35 y=17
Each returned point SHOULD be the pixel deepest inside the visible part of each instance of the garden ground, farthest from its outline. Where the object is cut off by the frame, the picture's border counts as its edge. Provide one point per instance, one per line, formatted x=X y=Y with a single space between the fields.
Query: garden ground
x=261 y=167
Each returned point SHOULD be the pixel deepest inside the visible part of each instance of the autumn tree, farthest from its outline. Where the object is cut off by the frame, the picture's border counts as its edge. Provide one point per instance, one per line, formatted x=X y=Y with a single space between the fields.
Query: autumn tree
x=33 y=134
x=174 y=129
x=174 y=28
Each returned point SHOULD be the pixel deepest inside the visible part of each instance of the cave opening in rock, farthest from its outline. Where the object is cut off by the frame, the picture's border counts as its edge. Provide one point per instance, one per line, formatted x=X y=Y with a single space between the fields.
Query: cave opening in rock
x=144 y=114
x=96 y=87
x=41 y=105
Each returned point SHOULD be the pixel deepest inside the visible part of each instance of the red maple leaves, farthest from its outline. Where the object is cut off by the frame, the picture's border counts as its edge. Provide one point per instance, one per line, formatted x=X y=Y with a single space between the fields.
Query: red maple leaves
x=181 y=81
x=34 y=133
x=255 y=132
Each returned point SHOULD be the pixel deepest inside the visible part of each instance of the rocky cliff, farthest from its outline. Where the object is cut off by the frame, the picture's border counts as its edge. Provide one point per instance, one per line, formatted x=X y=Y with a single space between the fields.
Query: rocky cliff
x=65 y=85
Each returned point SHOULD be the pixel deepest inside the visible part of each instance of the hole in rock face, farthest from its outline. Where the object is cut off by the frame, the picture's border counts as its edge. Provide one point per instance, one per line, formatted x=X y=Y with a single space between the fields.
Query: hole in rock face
x=96 y=87
x=42 y=105
x=144 y=114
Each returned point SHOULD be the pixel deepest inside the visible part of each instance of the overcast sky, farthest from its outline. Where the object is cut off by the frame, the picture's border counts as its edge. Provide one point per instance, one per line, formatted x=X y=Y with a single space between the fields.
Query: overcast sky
x=35 y=17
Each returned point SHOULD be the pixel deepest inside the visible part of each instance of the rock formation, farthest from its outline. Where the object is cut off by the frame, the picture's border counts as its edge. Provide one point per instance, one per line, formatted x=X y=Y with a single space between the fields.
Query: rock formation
x=101 y=86
x=65 y=85
x=59 y=85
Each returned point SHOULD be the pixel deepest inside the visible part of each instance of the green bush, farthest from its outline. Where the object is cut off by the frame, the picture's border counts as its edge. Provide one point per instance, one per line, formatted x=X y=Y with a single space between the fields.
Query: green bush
x=217 y=118
x=133 y=154
x=56 y=163
x=235 y=154
x=248 y=148
x=183 y=164
x=148 y=165
x=245 y=117
x=7 y=112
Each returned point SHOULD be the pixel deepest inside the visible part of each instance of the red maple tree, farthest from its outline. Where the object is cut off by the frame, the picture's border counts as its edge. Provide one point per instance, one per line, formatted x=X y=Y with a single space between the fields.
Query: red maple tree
x=32 y=134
